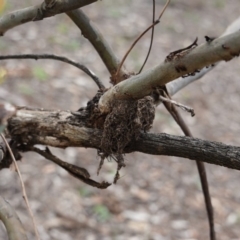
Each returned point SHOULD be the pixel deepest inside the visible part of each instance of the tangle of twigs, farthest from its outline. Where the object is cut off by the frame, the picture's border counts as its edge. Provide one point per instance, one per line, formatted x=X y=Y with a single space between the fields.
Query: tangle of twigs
x=142 y=34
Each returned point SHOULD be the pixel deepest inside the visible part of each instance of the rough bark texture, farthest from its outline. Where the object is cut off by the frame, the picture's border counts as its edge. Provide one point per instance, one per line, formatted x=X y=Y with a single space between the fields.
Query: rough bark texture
x=39 y=12
x=187 y=147
x=62 y=129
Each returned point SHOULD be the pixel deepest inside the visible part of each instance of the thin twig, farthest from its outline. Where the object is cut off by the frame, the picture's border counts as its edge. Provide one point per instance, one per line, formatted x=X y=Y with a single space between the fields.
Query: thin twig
x=74 y=170
x=97 y=39
x=151 y=41
x=23 y=187
x=142 y=34
x=58 y=58
x=200 y=165
x=185 y=108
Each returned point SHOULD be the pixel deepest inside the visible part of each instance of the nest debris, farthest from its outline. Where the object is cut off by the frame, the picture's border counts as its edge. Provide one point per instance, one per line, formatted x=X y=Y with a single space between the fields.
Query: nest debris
x=125 y=123
x=121 y=126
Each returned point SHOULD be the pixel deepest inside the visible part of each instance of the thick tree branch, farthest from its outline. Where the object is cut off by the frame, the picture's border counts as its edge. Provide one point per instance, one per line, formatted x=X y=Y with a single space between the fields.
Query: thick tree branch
x=136 y=87
x=178 y=84
x=61 y=129
x=57 y=129
x=191 y=148
x=46 y=9
x=90 y=32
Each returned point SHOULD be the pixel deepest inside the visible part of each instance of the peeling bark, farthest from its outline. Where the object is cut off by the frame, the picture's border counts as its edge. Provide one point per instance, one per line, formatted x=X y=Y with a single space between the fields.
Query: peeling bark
x=62 y=129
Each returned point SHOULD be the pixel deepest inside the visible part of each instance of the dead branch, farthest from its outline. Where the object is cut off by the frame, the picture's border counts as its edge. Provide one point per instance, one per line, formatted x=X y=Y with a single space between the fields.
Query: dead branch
x=151 y=40
x=200 y=165
x=77 y=172
x=58 y=58
x=183 y=107
x=61 y=129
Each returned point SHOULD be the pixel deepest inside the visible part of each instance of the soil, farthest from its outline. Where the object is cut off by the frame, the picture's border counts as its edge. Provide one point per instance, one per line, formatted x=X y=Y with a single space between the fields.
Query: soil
x=156 y=197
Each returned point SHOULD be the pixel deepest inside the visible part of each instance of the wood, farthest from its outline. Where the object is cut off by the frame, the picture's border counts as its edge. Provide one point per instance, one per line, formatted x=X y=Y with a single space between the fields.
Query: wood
x=61 y=129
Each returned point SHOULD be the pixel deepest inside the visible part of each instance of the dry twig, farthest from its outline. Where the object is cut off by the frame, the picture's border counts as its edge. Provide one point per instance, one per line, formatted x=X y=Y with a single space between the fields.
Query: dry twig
x=58 y=58
x=184 y=107
x=77 y=172
x=142 y=34
x=200 y=165
x=23 y=187
x=151 y=41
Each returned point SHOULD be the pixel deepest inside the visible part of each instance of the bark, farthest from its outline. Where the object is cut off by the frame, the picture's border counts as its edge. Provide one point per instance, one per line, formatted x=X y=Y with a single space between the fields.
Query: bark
x=97 y=39
x=188 y=62
x=62 y=129
x=46 y=9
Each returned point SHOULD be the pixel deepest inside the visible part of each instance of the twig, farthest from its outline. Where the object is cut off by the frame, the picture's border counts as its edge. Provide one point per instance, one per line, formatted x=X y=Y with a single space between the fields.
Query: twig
x=141 y=85
x=200 y=165
x=120 y=164
x=151 y=41
x=102 y=156
x=72 y=169
x=11 y=221
x=23 y=187
x=96 y=39
x=185 y=108
x=58 y=58
x=142 y=34
x=77 y=172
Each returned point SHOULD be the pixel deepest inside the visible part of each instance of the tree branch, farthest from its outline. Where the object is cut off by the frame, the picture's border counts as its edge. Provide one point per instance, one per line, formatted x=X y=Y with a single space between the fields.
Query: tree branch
x=138 y=86
x=59 y=58
x=61 y=129
x=77 y=172
x=46 y=9
x=90 y=32
x=191 y=148
x=178 y=84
